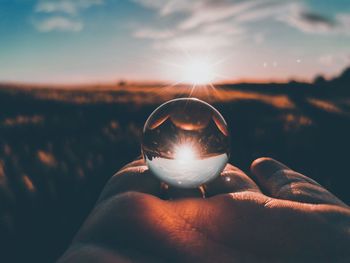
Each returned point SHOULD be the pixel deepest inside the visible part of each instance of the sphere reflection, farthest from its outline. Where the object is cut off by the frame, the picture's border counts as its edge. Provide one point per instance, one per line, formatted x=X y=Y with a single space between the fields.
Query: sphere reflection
x=185 y=142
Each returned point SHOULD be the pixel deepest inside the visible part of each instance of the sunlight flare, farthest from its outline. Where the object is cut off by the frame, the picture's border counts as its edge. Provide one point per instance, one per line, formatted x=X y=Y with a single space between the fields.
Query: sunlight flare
x=184 y=153
x=198 y=72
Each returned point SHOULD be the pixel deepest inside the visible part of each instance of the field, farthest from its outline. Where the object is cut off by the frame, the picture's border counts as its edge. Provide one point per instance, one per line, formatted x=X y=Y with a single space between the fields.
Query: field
x=59 y=146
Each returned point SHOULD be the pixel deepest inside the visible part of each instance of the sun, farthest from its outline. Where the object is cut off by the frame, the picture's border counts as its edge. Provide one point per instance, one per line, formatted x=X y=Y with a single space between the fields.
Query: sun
x=198 y=72
x=184 y=153
x=193 y=70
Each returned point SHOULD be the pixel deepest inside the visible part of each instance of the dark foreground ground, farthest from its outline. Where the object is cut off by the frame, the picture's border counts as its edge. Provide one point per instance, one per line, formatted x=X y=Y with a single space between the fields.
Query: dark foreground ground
x=58 y=147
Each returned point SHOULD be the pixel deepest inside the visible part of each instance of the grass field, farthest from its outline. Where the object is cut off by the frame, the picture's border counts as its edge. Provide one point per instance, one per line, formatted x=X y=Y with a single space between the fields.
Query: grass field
x=58 y=146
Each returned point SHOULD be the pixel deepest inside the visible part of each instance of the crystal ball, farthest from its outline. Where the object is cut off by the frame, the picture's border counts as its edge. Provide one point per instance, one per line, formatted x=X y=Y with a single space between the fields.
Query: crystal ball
x=185 y=143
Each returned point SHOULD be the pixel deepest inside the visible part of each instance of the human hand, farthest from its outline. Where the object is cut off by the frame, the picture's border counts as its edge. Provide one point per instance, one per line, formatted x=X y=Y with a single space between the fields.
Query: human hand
x=289 y=218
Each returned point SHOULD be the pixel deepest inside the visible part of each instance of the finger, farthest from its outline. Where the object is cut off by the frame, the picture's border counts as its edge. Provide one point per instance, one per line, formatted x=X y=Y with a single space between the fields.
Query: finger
x=279 y=181
x=138 y=162
x=231 y=180
x=134 y=177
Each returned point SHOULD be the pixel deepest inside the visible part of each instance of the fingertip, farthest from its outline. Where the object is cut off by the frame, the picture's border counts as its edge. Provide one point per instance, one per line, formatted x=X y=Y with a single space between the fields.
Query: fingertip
x=138 y=162
x=266 y=166
x=231 y=168
x=279 y=181
x=231 y=180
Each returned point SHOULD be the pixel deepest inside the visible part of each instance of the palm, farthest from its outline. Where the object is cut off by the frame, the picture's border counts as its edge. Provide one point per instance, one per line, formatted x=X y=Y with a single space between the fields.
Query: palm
x=237 y=223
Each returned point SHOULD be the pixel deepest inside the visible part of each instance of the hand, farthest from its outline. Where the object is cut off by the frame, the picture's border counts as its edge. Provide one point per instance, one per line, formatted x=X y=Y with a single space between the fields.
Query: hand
x=289 y=218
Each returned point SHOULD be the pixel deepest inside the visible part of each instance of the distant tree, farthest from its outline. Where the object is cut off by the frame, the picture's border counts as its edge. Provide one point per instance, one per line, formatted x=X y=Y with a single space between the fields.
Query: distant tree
x=343 y=79
x=122 y=83
x=344 y=76
x=320 y=80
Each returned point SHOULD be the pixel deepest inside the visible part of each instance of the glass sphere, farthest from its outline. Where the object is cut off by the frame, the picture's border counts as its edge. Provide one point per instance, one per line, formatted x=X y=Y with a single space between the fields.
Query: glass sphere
x=185 y=143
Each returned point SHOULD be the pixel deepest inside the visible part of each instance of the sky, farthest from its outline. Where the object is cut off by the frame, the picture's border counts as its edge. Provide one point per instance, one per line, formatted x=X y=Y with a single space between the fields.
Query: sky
x=98 y=41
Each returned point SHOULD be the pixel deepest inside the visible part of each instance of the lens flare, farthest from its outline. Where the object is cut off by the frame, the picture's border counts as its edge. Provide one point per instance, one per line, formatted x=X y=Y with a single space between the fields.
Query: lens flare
x=184 y=153
x=198 y=72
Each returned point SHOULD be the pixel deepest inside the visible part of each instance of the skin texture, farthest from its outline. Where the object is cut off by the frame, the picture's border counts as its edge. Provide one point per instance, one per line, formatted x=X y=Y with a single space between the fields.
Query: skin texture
x=277 y=215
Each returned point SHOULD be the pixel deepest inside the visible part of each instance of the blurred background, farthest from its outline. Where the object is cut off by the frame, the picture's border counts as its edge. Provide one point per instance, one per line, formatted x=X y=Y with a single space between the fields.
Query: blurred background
x=78 y=79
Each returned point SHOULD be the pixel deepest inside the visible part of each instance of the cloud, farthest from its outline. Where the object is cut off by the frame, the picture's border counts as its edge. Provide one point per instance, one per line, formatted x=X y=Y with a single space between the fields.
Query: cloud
x=208 y=14
x=71 y=7
x=153 y=33
x=270 y=10
x=314 y=18
x=51 y=7
x=168 y=7
x=314 y=23
x=215 y=21
x=339 y=60
x=56 y=9
x=194 y=42
x=200 y=11
x=222 y=28
x=59 y=23
x=202 y=21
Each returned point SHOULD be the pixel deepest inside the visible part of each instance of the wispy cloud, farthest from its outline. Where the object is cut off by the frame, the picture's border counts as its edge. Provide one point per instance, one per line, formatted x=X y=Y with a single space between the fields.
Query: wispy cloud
x=59 y=23
x=51 y=7
x=153 y=33
x=168 y=7
x=217 y=20
x=204 y=21
x=210 y=13
x=200 y=42
x=198 y=11
x=71 y=7
x=62 y=14
x=314 y=23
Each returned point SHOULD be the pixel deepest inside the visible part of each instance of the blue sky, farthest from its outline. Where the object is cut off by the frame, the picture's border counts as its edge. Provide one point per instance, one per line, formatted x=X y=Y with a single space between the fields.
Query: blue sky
x=84 y=41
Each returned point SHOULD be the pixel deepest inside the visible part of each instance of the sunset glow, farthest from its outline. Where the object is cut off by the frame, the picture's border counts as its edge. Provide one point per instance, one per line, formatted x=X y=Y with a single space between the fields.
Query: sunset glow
x=198 y=72
x=100 y=41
